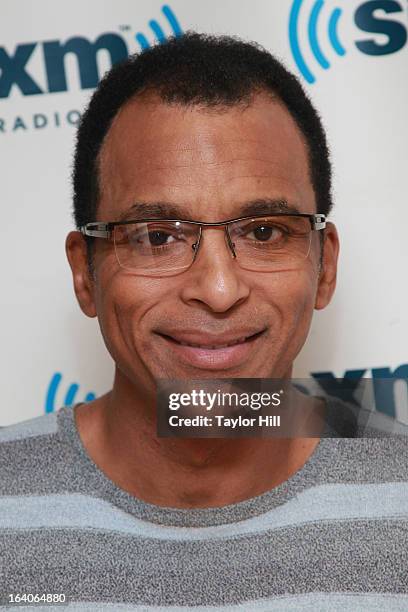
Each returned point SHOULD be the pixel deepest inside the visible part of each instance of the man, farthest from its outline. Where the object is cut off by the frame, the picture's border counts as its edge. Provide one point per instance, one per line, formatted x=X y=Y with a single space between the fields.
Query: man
x=97 y=506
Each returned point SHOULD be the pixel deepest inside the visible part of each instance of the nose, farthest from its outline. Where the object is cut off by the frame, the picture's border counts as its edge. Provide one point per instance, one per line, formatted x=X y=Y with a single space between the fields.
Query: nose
x=214 y=278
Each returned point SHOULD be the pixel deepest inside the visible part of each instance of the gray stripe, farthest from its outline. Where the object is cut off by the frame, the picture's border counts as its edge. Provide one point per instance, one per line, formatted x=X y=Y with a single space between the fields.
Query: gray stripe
x=321 y=503
x=312 y=602
x=40 y=426
x=362 y=556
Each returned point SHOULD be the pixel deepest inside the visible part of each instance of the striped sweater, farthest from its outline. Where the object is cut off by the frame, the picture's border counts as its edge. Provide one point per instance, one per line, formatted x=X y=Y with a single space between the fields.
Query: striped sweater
x=332 y=537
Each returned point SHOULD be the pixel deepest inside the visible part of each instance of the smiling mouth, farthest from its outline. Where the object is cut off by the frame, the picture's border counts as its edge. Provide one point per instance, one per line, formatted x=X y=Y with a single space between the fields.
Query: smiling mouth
x=214 y=347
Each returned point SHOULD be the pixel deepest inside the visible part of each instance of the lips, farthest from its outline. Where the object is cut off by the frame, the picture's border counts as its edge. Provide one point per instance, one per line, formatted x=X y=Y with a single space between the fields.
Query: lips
x=205 y=352
x=203 y=342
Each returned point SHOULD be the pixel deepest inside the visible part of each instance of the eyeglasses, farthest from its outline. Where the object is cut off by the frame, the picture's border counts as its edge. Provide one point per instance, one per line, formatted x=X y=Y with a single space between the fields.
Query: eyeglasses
x=166 y=247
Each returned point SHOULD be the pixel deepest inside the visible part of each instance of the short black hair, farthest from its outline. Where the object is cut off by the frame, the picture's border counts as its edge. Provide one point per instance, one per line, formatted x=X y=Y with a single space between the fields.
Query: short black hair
x=195 y=69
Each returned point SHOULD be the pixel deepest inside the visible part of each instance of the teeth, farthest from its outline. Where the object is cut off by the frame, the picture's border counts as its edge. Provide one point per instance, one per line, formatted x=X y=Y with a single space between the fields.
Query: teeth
x=220 y=346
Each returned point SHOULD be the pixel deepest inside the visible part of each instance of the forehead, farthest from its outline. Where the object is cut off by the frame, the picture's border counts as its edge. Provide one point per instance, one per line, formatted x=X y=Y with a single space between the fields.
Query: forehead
x=208 y=161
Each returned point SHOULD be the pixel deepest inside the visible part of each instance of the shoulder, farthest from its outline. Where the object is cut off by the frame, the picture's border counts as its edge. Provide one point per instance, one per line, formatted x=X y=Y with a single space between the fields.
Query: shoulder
x=32 y=452
x=364 y=445
x=355 y=421
x=45 y=425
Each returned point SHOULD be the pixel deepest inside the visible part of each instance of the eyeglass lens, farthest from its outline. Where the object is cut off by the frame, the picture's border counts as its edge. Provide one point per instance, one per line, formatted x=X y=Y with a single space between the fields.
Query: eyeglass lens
x=166 y=247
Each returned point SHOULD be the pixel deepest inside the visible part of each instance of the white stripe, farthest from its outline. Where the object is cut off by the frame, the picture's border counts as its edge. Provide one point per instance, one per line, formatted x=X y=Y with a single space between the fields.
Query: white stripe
x=330 y=502
x=39 y=426
x=310 y=602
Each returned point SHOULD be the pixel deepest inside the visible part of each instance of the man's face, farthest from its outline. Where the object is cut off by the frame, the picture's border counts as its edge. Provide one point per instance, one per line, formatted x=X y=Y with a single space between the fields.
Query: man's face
x=210 y=164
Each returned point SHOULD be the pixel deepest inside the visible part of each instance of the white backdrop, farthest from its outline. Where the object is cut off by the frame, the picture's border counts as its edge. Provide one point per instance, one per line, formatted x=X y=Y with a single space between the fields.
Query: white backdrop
x=51 y=353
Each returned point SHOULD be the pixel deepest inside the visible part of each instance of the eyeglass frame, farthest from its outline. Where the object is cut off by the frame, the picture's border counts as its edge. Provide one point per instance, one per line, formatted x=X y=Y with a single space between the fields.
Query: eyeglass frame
x=99 y=229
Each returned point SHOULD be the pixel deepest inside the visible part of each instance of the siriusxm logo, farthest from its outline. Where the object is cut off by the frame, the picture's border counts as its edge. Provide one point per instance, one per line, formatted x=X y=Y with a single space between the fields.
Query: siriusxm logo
x=371 y=17
x=389 y=388
x=14 y=71
x=70 y=397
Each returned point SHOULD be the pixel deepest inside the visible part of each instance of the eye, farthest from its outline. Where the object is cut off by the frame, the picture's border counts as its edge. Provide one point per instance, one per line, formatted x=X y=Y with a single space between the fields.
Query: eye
x=265 y=232
x=155 y=235
x=159 y=237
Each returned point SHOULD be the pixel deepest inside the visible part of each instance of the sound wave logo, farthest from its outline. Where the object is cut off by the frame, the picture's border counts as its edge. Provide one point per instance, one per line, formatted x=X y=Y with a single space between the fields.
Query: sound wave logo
x=157 y=29
x=70 y=395
x=312 y=30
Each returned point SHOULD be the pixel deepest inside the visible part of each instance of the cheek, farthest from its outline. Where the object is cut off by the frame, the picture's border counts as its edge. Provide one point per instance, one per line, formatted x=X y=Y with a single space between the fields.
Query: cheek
x=124 y=302
x=293 y=295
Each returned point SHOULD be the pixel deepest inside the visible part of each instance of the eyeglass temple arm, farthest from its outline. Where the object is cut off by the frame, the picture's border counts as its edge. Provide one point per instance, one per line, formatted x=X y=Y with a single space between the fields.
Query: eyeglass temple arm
x=318 y=222
x=96 y=230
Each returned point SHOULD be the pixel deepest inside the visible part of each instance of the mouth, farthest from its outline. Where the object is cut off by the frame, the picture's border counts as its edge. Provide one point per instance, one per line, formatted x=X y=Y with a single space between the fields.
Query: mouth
x=214 y=355
x=213 y=346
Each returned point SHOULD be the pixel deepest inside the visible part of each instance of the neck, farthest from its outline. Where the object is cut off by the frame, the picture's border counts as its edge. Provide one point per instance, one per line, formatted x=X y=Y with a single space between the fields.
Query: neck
x=118 y=431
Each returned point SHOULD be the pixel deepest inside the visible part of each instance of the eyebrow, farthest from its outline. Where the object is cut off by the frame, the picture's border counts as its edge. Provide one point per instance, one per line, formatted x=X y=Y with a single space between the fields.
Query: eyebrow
x=160 y=210
x=165 y=210
x=267 y=207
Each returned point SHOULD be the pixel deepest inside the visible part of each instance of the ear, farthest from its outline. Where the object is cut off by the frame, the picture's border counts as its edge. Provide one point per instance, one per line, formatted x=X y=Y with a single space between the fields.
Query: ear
x=75 y=247
x=328 y=272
